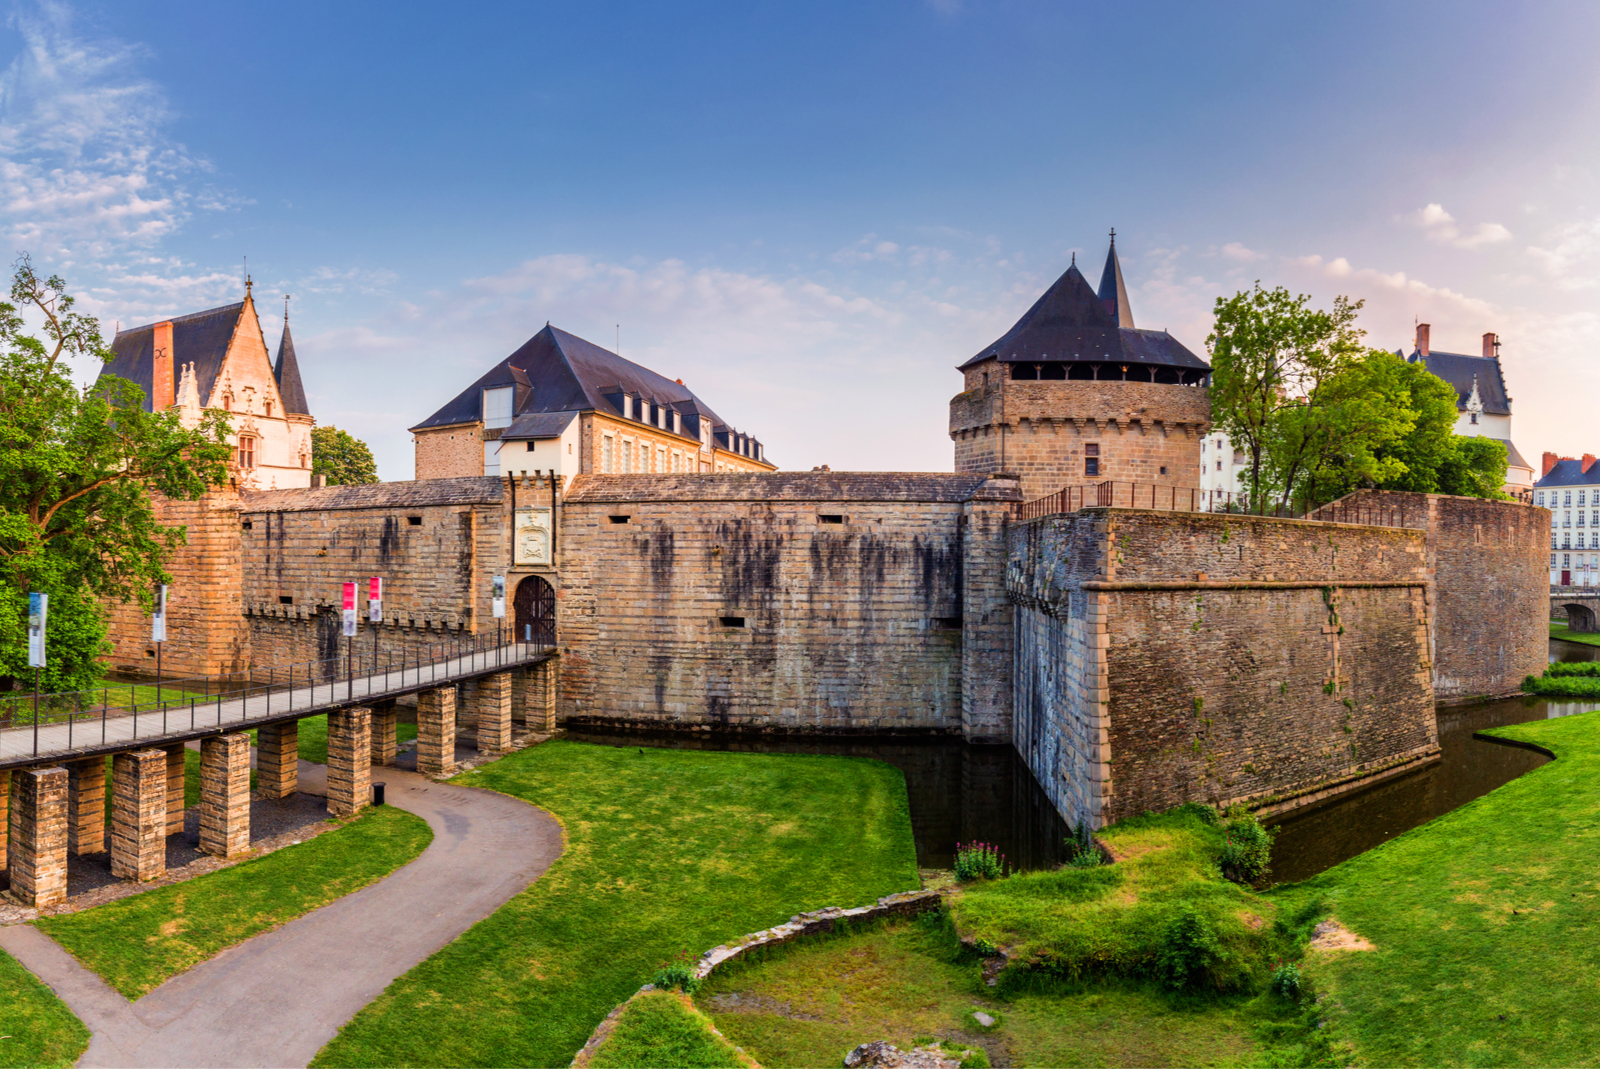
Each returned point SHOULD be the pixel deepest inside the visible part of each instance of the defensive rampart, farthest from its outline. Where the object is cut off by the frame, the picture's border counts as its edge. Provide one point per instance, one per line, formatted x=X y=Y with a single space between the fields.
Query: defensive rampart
x=1167 y=657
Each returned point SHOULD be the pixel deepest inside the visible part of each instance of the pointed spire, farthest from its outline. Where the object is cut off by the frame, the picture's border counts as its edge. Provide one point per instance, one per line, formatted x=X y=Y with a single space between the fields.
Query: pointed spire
x=287 y=372
x=1113 y=293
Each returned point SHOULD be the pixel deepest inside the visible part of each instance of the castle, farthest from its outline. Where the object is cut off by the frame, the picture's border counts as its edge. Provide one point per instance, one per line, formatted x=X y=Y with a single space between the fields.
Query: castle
x=1135 y=653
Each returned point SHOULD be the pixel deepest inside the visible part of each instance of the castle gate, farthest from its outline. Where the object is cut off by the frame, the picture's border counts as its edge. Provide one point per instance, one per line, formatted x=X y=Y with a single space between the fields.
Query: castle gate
x=535 y=609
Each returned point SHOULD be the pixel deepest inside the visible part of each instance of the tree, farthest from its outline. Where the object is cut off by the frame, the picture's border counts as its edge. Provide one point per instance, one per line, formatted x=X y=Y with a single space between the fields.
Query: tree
x=342 y=457
x=77 y=469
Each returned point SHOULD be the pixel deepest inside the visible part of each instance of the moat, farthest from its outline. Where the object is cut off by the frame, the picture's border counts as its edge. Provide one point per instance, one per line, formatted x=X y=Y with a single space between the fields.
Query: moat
x=959 y=792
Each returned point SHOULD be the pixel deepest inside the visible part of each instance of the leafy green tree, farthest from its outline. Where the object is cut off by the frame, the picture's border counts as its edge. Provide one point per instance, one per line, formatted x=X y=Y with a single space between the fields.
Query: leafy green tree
x=77 y=470
x=1478 y=469
x=342 y=457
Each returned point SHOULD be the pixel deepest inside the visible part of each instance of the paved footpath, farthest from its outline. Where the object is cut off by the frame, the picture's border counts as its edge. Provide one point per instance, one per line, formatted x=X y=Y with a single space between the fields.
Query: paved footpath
x=277 y=999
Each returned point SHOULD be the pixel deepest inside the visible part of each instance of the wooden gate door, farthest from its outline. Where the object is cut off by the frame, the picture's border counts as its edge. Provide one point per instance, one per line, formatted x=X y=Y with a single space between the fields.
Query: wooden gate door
x=535 y=609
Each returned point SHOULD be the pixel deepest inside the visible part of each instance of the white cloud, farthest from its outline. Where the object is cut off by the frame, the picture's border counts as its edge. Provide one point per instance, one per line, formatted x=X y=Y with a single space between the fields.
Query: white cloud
x=1439 y=225
x=1570 y=260
x=1233 y=250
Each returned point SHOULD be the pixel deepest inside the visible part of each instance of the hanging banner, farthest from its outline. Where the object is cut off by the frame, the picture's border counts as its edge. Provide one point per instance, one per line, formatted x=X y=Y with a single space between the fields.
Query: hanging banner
x=349 y=609
x=375 y=600
x=499 y=596
x=38 y=609
x=158 y=618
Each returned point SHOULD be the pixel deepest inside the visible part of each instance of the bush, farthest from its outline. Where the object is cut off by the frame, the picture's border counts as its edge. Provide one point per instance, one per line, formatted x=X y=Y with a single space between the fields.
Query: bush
x=1563 y=685
x=1286 y=981
x=1246 y=853
x=979 y=861
x=1084 y=853
x=1199 y=810
x=1189 y=951
x=678 y=974
x=1574 y=668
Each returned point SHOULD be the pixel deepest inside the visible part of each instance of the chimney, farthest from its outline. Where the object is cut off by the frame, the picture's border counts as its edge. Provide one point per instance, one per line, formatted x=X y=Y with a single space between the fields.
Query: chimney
x=163 y=390
x=1422 y=338
x=1588 y=462
x=1549 y=462
x=1491 y=346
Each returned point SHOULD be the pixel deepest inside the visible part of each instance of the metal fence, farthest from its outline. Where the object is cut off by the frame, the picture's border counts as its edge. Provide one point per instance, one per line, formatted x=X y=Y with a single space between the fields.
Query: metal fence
x=44 y=724
x=1112 y=494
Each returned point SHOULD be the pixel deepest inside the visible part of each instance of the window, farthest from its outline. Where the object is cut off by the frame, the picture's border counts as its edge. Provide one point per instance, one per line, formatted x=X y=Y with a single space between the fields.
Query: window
x=414 y=521
x=1219 y=443
x=677 y=423
x=491 y=457
x=627 y=457
x=1219 y=465
x=1474 y=417
x=497 y=406
x=531 y=444
x=1539 y=498
x=1091 y=458
x=247 y=452
x=1580 y=517
x=627 y=407
x=285 y=599
x=1580 y=497
x=731 y=621
x=227 y=402
x=1566 y=560
x=268 y=407
x=607 y=444
x=830 y=518
x=248 y=525
x=1163 y=470
x=619 y=519
x=1566 y=541
x=1568 y=497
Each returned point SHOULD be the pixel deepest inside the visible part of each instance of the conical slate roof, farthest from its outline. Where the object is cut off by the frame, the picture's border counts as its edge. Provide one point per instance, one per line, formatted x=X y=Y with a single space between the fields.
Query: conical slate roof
x=1113 y=293
x=287 y=372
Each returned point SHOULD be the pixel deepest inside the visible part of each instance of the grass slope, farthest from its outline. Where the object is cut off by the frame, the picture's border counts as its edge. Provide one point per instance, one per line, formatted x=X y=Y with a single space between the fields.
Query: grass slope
x=36 y=1028
x=137 y=943
x=1483 y=922
x=1566 y=634
x=668 y=852
x=662 y=1028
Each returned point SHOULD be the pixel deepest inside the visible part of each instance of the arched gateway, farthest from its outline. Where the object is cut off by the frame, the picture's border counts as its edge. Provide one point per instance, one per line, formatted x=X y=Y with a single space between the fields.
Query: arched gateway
x=535 y=609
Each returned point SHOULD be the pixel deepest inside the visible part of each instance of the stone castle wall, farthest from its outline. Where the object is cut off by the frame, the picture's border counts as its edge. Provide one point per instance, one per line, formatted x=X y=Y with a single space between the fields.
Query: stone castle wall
x=1166 y=657
x=1146 y=432
x=449 y=452
x=792 y=602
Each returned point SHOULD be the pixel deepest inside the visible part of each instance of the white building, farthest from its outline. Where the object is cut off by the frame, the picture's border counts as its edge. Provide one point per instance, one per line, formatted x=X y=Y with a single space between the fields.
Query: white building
x=1570 y=489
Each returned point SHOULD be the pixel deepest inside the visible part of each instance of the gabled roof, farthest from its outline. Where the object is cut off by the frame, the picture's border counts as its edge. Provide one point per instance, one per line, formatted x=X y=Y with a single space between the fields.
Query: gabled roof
x=200 y=338
x=560 y=372
x=287 y=372
x=1071 y=323
x=1569 y=472
x=1113 y=294
x=539 y=425
x=1459 y=369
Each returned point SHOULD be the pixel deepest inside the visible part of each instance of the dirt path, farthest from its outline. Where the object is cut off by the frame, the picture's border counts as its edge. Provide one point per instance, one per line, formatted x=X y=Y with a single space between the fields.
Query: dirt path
x=277 y=999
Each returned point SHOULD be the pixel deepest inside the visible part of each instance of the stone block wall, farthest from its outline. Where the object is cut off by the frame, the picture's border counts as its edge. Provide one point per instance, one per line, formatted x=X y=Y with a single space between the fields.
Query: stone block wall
x=1145 y=432
x=795 y=602
x=449 y=452
x=1167 y=657
x=1489 y=566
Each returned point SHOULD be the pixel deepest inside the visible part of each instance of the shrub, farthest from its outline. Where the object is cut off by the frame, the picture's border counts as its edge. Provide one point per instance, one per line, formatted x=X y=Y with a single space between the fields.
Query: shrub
x=1574 y=668
x=1199 y=810
x=1286 y=981
x=979 y=861
x=1189 y=951
x=1084 y=853
x=1563 y=685
x=678 y=973
x=1247 y=851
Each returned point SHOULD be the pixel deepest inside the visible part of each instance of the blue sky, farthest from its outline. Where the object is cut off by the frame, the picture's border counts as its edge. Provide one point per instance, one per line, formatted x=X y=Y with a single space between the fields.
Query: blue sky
x=810 y=213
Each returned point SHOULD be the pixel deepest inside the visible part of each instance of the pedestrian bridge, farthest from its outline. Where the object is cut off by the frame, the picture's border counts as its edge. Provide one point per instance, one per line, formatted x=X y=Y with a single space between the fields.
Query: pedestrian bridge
x=1582 y=605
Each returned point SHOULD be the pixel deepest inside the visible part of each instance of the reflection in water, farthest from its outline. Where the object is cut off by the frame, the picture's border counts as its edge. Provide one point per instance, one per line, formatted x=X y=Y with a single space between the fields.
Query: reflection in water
x=957 y=792
x=960 y=792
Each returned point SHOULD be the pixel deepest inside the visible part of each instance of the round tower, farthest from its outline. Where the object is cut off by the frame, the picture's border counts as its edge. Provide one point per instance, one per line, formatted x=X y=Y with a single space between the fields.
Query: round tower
x=1075 y=395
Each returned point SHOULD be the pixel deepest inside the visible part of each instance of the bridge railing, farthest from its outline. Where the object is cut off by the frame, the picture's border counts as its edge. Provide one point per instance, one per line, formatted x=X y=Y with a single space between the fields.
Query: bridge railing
x=1111 y=494
x=169 y=705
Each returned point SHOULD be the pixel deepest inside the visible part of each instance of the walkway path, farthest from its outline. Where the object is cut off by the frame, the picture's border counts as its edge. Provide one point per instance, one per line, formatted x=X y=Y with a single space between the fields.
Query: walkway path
x=277 y=999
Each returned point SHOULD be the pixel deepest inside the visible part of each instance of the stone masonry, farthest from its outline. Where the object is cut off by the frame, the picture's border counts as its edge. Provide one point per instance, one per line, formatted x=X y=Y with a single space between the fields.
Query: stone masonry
x=278 y=760
x=384 y=740
x=5 y=813
x=38 y=827
x=176 y=783
x=436 y=731
x=225 y=795
x=349 y=760
x=139 y=815
x=86 y=805
x=540 y=687
x=494 y=713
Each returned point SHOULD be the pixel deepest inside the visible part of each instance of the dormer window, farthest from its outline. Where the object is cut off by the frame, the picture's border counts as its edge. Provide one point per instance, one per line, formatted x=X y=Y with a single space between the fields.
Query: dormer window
x=497 y=406
x=677 y=423
x=627 y=407
x=1474 y=417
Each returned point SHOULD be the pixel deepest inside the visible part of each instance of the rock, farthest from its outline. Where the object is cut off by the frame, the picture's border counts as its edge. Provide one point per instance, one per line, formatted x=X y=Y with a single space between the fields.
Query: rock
x=883 y=1055
x=983 y=1018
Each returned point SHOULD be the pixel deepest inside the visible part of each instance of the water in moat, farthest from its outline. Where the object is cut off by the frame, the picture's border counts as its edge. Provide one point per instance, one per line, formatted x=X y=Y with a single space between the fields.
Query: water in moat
x=958 y=792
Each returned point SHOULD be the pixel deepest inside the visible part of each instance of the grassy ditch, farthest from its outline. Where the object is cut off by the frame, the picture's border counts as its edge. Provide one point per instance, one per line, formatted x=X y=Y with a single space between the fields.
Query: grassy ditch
x=1481 y=922
x=137 y=943
x=664 y=1028
x=669 y=852
x=36 y=1028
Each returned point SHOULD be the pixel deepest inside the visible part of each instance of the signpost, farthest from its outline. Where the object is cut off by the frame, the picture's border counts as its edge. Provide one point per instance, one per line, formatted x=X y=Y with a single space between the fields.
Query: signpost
x=499 y=605
x=38 y=610
x=158 y=631
x=350 y=638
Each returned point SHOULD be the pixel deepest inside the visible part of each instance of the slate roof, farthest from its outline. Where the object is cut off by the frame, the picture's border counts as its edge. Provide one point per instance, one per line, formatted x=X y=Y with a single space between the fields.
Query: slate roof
x=1070 y=323
x=778 y=486
x=1513 y=458
x=287 y=372
x=200 y=338
x=1569 y=472
x=471 y=490
x=560 y=372
x=1113 y=294
x=538 y=425
x=1458 y=370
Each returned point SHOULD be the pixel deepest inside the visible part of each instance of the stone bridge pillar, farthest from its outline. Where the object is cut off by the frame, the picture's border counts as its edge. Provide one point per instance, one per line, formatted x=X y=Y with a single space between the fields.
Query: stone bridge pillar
x=225 y=795
x=86 y=806
x=5 y=815
x=436 y=731
x=175 y=788
x=349 y=760
x=39 y=837
x=534 y=695
x=139 y=815
x=384 y=740
x=278 y=760
x=494 y=713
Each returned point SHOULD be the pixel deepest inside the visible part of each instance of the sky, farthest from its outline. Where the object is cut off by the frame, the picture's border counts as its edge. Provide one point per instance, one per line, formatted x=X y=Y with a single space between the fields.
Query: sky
x=811 y=213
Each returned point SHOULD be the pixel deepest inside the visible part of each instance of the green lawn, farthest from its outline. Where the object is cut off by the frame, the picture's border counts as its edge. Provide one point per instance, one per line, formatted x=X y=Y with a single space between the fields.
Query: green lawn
x=1566 y=634
x=663 y=1028
x=137 y=943
x=668 y=852
x=313 y=737
x=36 y=1028
x=1484 y=924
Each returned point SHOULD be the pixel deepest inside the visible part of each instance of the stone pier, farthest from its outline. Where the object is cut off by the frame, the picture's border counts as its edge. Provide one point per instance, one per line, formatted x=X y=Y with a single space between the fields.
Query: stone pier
x=278 y=760
x=39 y=837
x=225 y=795
x=384 y=744
x=5 y=815
x=542 y=680
x=175 y=788
x=349 y=760
x=436 y=731
x=494 y=713
x=139 y=815
x=86 y=807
